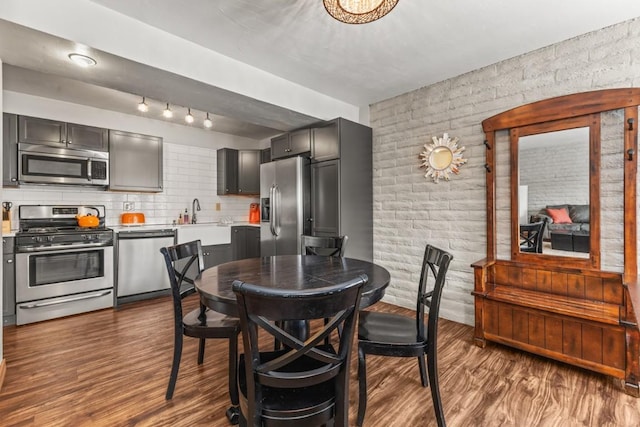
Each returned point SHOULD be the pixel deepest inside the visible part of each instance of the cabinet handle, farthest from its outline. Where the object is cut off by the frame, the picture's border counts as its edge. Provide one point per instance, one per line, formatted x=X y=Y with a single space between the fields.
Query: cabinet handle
x=9 y=261
x=69 y=142
x=14 y=179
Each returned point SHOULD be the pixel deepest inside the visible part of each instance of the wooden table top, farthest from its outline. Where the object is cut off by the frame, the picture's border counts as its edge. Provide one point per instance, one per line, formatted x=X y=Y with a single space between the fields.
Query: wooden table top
x=288 y=272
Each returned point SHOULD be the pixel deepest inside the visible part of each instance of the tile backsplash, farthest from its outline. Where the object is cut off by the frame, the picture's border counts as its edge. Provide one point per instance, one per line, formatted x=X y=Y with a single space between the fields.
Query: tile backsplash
x=189 y=172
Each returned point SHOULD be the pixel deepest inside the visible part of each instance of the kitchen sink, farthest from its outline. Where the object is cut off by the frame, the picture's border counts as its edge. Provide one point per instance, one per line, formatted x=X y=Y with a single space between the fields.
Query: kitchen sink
x=209 y=234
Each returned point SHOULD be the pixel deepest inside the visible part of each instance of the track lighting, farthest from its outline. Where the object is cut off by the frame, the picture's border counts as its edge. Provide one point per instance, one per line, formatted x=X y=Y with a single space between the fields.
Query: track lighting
x=207 y=122
x=143 y=107
x=167 y=112
x=188 y=118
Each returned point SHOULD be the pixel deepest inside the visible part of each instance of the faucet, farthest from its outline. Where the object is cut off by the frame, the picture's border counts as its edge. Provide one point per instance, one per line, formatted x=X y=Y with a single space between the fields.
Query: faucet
x=195 y=205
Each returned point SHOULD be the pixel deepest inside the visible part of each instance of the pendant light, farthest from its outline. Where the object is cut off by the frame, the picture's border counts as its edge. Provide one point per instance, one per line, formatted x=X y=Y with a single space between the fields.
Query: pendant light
x=358 y=11
x=188 y=118
x=142 y=106
x=167 y=112
x=207 y=122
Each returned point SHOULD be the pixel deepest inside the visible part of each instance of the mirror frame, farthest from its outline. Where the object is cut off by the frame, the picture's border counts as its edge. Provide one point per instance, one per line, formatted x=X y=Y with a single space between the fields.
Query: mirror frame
x=565 y=107
x=591 y=121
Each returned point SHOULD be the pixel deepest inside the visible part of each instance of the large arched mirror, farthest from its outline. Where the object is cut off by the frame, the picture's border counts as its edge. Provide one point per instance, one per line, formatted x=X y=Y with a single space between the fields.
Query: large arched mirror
x=555 y=197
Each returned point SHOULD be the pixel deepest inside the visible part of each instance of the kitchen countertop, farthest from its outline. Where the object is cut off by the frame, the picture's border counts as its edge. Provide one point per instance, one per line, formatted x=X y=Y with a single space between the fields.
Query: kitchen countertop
x=149 y=226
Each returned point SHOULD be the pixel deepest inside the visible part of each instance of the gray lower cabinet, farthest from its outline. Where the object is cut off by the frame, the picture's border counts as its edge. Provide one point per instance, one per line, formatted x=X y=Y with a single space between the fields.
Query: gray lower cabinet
x=9 y=150
x=8 y=282
x=135 y=162
x=216 y=254
x=36 y=130
x=325 y=198
x=245 y=242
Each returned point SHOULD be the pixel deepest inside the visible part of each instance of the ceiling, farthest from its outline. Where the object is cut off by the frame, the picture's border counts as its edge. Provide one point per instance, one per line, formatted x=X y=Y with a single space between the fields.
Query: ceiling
x=419 y=43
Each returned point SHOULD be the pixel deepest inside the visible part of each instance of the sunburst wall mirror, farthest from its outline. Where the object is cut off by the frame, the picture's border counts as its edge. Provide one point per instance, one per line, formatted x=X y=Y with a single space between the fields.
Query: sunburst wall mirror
x=442 y=157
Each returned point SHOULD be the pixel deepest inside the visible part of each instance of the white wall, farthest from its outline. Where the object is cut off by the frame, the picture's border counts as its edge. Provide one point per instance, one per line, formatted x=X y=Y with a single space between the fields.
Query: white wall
x=410 y=211
x=189 y=166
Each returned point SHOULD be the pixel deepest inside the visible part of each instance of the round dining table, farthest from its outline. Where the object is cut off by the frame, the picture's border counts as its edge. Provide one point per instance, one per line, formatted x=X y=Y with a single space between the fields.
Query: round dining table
x=292 y=272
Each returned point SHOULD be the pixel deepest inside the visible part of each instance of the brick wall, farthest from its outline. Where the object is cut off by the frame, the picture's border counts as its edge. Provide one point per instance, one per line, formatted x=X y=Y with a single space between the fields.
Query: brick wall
x=410 y=211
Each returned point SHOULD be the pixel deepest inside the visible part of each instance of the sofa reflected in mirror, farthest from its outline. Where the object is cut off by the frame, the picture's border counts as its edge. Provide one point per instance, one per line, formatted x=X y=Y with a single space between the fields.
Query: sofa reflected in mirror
x=567 y=231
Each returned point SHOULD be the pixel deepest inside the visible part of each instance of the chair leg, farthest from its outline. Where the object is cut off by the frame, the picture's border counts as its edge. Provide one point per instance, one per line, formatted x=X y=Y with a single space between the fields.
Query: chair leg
x=233 y=370
x=173 y=377
x=362 y=386
x=432 y=366
x=423 y=371
x=201 y=351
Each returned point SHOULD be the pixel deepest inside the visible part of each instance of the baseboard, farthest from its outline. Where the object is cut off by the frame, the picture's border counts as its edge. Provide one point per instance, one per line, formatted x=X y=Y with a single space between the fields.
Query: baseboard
x=3 y=370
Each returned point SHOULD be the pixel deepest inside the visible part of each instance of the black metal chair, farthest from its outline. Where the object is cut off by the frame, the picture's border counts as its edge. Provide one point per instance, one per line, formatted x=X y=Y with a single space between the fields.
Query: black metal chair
x=387 y=334
x=200 y=323
x=531 y=236
x=306 y=383
x=323 y=245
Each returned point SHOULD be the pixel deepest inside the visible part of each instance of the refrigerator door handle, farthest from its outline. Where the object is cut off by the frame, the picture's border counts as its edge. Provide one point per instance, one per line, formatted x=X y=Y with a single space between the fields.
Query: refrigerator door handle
x=275 y=218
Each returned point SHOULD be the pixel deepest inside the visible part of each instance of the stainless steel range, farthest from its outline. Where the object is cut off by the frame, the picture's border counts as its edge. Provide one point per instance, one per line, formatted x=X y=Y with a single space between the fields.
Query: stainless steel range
x=61 y=269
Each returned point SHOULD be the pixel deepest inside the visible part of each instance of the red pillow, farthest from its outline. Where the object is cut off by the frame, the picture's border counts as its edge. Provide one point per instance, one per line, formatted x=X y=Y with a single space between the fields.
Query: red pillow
x=559 y=216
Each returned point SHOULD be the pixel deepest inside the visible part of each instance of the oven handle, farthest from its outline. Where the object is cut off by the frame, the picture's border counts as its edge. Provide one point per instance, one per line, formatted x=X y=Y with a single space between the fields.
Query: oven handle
x=66 y=300
x=59 y=247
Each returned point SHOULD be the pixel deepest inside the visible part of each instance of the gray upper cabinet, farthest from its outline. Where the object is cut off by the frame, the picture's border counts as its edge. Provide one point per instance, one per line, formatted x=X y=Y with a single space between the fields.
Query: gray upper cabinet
x=291 y=144
x=325 y=142
x=88 y=137
x=238 y=171
x=9 y=150
x=35 y=130
x=135 y=162
x=227 y=172
x=249 y=172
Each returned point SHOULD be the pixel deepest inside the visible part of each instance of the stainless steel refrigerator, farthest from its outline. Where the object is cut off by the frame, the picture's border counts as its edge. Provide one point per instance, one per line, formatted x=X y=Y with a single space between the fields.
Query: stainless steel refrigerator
x=285 y=201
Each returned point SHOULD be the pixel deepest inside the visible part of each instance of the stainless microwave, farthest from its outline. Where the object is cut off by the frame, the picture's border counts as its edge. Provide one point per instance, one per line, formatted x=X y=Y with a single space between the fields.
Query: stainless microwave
x=44 y=164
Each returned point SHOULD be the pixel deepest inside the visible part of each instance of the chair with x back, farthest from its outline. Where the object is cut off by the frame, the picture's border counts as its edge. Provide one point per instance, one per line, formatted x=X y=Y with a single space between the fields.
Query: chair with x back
x=323 y=245
x=184 y=261
x=306 y=383
x=531 y=236
x=387 y=334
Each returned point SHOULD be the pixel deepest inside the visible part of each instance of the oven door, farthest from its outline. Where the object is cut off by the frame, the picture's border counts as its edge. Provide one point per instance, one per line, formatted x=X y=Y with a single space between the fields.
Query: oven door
x=50 y=274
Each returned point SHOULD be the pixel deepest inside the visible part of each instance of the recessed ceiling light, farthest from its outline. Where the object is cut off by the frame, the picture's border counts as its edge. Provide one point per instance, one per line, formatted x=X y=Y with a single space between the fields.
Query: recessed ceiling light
x=207 y=122
x=82 y=60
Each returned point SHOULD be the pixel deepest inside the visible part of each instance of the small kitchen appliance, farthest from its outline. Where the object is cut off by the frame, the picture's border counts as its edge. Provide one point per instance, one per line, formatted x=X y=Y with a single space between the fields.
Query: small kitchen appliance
x=254 y=213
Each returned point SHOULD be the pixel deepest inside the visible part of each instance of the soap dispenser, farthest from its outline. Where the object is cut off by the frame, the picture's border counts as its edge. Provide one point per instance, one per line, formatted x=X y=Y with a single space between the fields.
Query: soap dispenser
x=185 y=217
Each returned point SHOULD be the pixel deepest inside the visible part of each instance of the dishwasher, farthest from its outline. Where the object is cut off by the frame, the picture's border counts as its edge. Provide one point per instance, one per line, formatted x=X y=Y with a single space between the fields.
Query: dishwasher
x=141 y=272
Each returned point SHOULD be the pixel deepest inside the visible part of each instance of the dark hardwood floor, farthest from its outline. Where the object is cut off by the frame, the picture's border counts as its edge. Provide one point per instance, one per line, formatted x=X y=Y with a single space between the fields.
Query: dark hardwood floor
x=110 y=368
